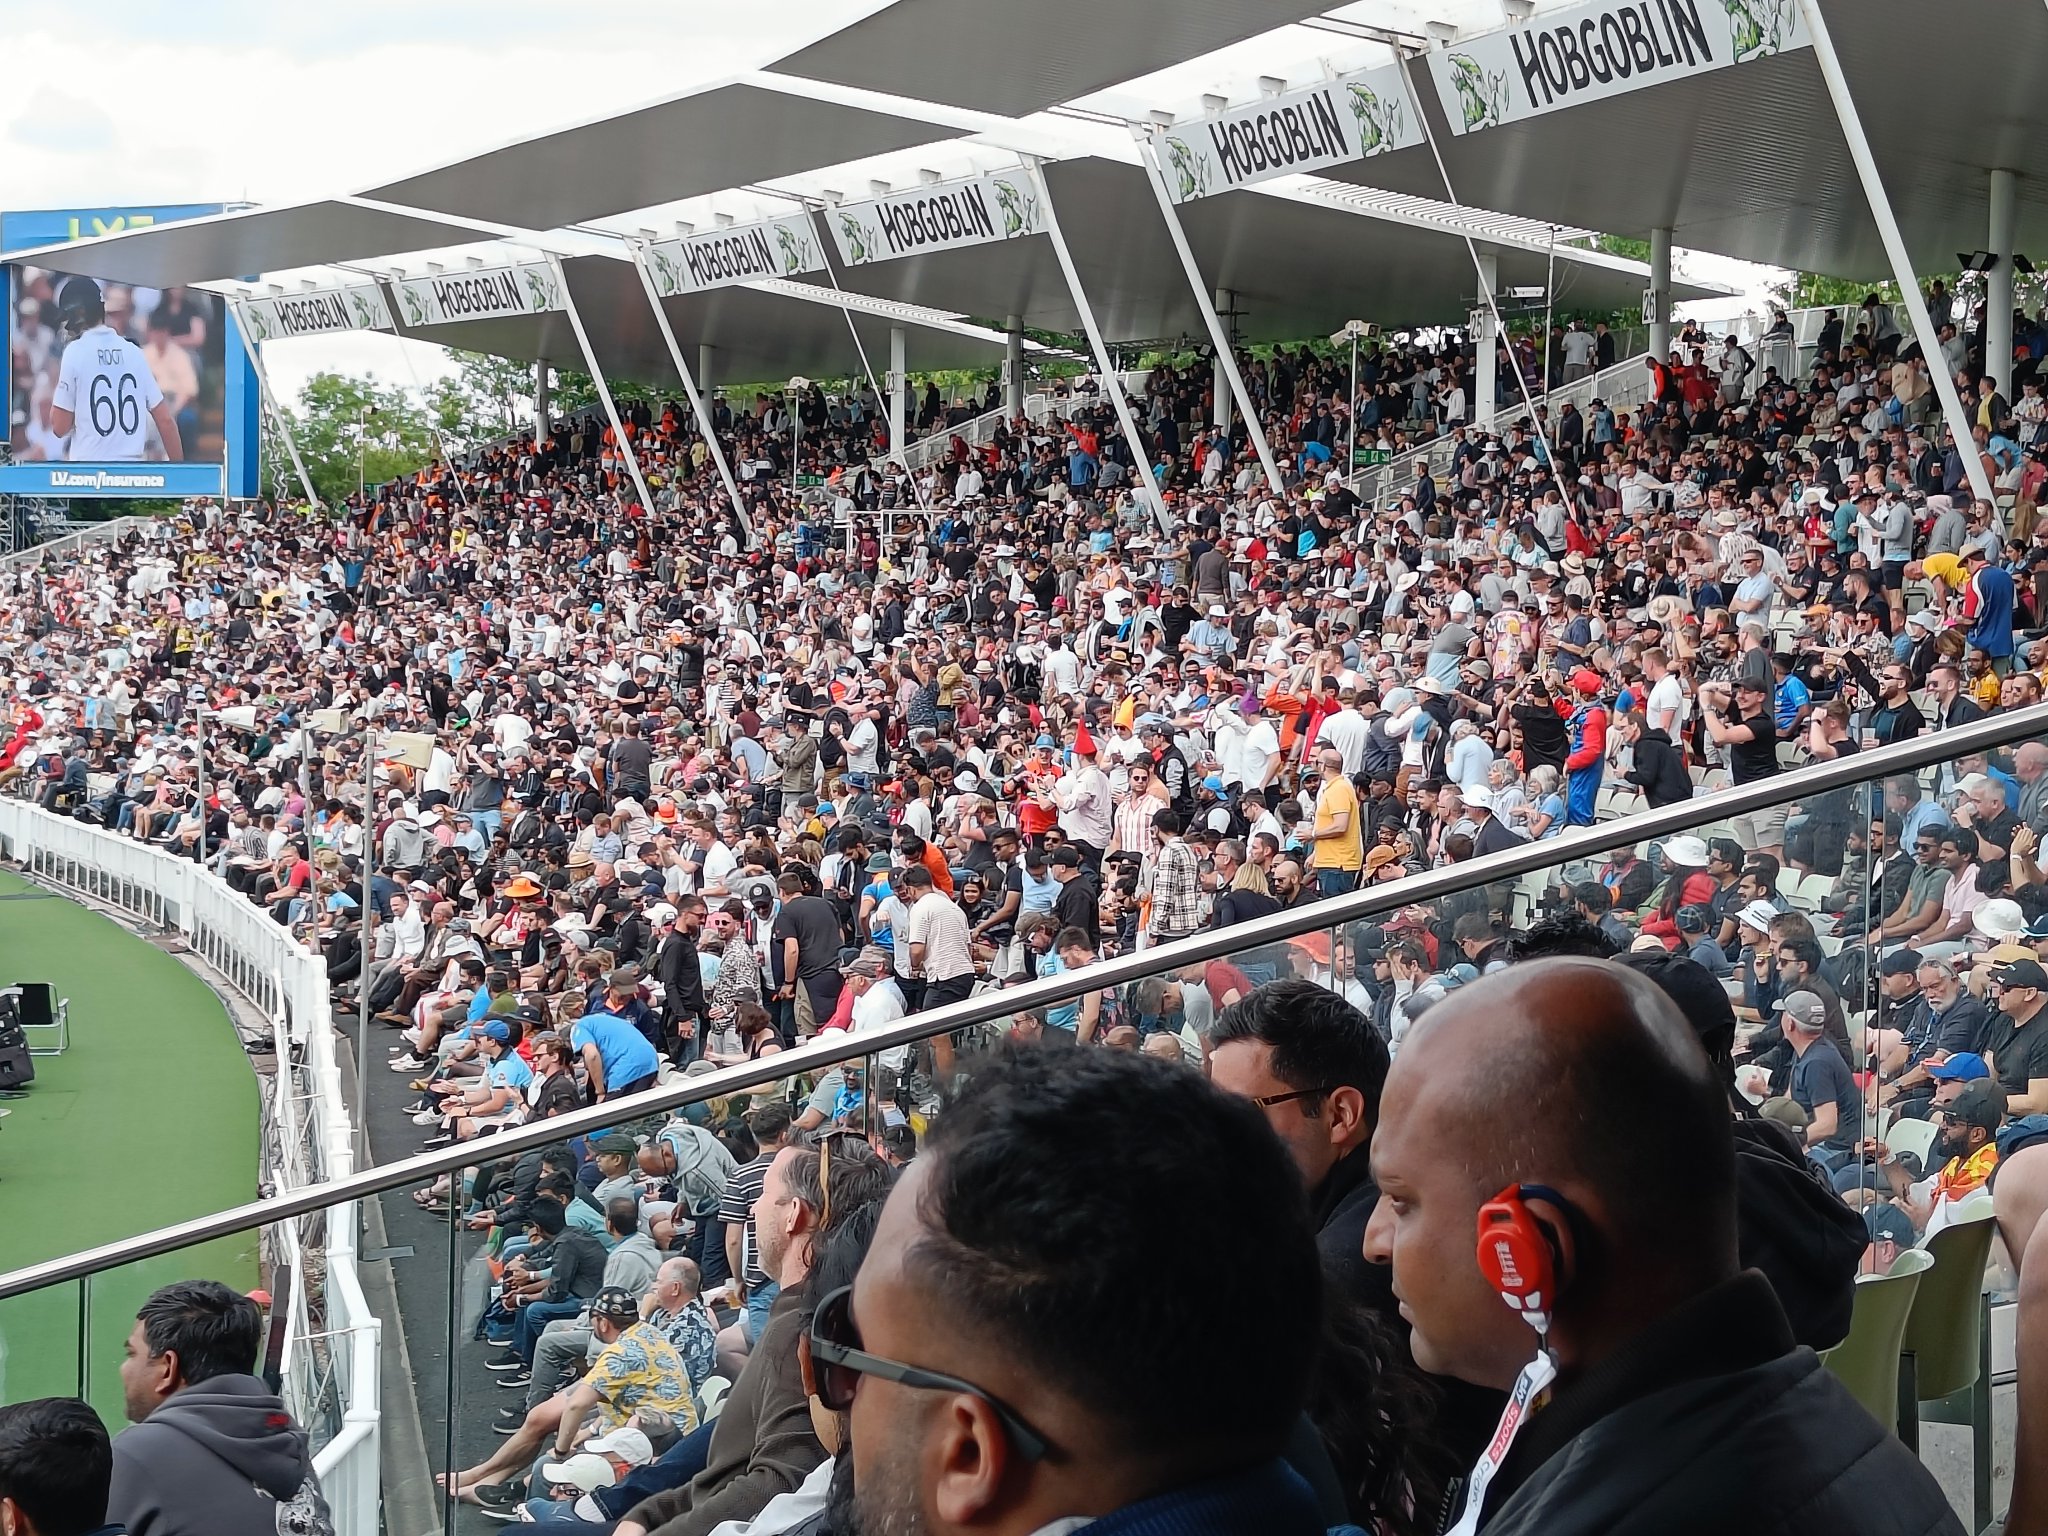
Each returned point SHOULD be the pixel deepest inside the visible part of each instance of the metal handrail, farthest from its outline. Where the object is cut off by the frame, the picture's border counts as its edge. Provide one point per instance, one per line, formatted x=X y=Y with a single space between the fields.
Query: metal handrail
x=1858 y=768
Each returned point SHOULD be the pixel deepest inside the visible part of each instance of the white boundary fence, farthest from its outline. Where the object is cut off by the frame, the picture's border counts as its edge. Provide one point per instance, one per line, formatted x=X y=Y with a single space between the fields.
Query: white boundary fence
x=332 y=1341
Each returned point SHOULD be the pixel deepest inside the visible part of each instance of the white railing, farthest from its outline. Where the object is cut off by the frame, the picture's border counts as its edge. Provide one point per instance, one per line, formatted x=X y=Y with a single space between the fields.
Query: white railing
x=331 y=1353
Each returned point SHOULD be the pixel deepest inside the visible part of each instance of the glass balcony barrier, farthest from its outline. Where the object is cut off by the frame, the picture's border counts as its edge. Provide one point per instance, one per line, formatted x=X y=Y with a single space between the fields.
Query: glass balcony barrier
x=399 y=1325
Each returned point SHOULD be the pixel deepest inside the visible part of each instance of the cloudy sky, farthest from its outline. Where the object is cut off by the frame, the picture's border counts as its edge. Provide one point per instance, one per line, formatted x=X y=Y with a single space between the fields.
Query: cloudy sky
x=135 y=101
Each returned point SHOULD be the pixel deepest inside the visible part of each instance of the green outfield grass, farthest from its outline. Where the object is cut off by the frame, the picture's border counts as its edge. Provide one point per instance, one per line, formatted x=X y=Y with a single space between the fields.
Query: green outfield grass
x=150 y=1118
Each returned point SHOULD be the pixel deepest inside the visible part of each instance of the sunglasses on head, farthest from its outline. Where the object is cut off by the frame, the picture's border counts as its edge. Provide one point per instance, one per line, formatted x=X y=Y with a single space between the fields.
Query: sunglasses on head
x=838 y=1362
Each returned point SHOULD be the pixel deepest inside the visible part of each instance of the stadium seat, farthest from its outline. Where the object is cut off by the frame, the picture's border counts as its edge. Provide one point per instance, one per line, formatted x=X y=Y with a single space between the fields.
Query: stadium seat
x=1914 y=1136
x=1945 y=1365
x=1867 y=1362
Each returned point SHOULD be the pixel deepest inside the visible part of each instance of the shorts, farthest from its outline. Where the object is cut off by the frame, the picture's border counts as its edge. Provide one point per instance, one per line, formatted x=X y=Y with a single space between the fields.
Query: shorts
x=1760 y=829
x=1894 y=575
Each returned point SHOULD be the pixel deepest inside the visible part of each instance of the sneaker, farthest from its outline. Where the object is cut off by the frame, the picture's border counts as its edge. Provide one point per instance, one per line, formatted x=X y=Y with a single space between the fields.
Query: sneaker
x=433 y=1143
x=507 y=1359
x=508 y=1421
x=412 y=1038
x=505 y=1496
x=513 y=1515
x=523 y=1377
x=408 y=1063
x=427 y=1117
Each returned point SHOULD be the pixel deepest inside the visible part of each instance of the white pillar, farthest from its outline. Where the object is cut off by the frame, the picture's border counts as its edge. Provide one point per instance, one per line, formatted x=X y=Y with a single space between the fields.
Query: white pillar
x=269 y=397
x=543 y=394
x=1219 y=389
x=707 y=380
x=604 y=391
x=1013 y=365
x=1659 y=317
x=898 y=372
x=1112 y=382
x=1485 y=346
x=697 y=405
x=1998 y=282
x=1895 y=246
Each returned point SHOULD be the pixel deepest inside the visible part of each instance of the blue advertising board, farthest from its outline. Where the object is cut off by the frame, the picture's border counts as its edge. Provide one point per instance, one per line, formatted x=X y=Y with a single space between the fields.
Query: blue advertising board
x=116 y=389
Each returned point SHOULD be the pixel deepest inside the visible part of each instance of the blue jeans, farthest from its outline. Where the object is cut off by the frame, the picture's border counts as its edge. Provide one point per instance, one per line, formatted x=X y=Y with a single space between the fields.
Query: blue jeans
x=758 y=1303
x=535 y=1316
x=1335 y=882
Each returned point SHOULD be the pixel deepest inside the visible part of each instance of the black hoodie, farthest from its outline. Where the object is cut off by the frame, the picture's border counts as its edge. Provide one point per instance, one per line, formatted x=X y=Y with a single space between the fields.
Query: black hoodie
x=221 y=1458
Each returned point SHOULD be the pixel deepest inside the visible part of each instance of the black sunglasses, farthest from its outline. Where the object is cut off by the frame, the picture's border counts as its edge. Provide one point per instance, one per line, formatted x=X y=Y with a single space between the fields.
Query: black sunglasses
x=838 y=1361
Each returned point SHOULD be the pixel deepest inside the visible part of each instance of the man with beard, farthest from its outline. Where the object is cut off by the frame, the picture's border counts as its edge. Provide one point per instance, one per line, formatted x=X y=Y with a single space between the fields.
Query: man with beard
x=1964 y=1153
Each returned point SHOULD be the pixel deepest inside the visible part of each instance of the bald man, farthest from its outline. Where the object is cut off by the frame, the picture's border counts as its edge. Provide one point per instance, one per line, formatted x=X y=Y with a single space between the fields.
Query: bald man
x=1681 y=1402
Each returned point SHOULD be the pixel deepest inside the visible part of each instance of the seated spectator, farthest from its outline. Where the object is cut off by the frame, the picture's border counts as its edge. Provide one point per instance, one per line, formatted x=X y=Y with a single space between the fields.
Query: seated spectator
x=1681 y=1402
x=186 y=1376
x=56 y=1465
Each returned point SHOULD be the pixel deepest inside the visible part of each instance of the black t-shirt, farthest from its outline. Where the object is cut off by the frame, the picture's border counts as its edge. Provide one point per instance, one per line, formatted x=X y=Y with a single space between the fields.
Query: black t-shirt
x=1756 y=758
x=1079 y=905
x=2019 y=1052
x=633 y=761
x=813 y=923
x=1822 y=1077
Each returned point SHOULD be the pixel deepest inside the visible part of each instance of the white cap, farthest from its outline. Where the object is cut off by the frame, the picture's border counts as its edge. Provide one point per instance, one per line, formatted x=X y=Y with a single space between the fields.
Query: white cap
x=627 y=1443
x=1758 y=915
x=1479 y=797
x=583 y=1470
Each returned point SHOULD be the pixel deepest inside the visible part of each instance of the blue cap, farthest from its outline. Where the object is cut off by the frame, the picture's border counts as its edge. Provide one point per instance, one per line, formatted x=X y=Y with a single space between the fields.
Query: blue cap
x=1887 y=1223
x=1045 y=741
x=825 y=808
x=1213 y=783
x=499 y=1031
x=1962 y=1067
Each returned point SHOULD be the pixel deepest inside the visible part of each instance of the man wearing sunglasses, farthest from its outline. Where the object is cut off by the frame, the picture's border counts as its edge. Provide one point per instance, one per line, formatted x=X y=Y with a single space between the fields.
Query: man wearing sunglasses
x=990 y=1389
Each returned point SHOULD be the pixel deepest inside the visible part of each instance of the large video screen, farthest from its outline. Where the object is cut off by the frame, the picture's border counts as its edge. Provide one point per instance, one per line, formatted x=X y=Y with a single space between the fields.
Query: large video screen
x=115 y=373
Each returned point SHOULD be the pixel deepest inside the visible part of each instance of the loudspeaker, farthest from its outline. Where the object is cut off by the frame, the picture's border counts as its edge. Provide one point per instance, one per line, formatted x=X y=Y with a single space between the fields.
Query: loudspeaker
x=17 y=1068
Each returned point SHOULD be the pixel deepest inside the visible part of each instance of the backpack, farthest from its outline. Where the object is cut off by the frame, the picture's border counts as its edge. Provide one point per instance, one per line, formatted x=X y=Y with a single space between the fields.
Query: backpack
x=1382 y=752
x=703 y=1166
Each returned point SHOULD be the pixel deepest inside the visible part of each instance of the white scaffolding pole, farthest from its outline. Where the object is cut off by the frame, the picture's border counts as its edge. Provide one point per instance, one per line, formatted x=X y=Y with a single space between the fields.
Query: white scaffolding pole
x=1895 y=249
x=269 y=398
x=1226 y=356
x=1148 y=487
x=604 y=392
x=638 y=251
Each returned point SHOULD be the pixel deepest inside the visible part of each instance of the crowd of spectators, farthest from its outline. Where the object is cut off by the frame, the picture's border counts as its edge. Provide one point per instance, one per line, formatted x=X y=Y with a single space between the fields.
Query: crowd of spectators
x=576 y=795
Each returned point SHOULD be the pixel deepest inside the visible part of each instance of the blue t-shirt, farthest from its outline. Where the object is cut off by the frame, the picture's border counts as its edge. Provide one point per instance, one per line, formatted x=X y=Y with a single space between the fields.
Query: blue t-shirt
x=509 y=1071
x=1065 y=1015
x=622 y=1049
x=1793 y=696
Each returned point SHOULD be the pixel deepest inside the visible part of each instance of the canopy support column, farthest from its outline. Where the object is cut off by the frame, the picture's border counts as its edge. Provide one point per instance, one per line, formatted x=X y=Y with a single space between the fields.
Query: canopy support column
x=1219 y=337
x=269 y=398
x=899 y=381
x=1013 y=366
x=1219 y=382
x=604 y=390
x=1895 y=248
x=542 y=399
x=1657 y=314
x=675 y=354
x=1112 y=382
x=1486 y=346
x=1998 y=282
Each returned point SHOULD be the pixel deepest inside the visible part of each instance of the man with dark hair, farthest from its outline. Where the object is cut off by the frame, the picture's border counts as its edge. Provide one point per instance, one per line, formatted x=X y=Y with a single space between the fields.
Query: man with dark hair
x=1680 y=1401
x=55 y=1465
x=211 y=1450
x=1314 y=1065
x=1032 y=1405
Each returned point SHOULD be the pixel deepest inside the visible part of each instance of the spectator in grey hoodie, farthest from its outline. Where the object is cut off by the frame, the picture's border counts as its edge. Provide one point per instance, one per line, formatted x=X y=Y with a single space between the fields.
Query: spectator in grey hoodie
x=210 y=1450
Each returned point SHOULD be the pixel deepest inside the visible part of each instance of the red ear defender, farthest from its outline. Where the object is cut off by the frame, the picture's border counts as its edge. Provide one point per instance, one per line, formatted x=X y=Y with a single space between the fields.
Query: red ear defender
x=1518 y=1252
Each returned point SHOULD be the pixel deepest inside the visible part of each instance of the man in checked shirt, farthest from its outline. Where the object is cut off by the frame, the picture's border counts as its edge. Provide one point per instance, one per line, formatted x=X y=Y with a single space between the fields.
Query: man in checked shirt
x=1176 y=882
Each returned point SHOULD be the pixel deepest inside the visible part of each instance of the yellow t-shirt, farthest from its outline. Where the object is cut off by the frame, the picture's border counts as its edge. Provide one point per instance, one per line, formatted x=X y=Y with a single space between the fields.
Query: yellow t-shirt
x=1943 y=568
x=1345 y=852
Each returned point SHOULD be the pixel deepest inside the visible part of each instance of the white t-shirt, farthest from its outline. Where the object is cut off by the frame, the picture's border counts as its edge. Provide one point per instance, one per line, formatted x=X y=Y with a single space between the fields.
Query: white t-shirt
x=1667 y=706
x=105 y=382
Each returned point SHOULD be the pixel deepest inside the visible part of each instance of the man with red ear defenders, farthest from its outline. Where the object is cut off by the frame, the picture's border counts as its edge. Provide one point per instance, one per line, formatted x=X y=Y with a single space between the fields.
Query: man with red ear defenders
x=1557 y=1176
